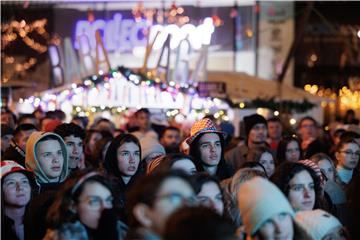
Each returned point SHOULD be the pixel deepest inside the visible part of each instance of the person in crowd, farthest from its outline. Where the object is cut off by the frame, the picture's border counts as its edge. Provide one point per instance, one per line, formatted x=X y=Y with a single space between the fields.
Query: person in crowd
x=100 y=149
x=150 y=149
x=92 y=136
x=333 y=185
x=56 y=114
x=335 y=138
x=39 y=114
x=84 y=209
x=353 y=208
x=320 y=225
x=51 y=125
x=347 y=156
x=142 y=117
x=229 y=129
x=153 y=199
x=263 y=155
x=170 y=139
x=80 y=121
x=8 y=117
x=350 y=117
x=256 y=132
x=310 y=143
x=207 y=147
x=194 y=223
x=275 y=128
x=123 y=163
x=289 y=150
x=231 y=188
x=300 y=184
x=43 y=122
x=73 y=136
x=351 y=135
x=104 y=124
x=7 y=133
x=46 y=156
x=265 y=211
x=28 y=119
x=16 y=186
x=209 y=192
x=174 y=161
x=17 y=148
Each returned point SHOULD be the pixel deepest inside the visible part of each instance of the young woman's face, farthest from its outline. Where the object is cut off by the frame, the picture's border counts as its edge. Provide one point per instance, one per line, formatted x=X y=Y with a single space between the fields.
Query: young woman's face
x=186 y=165
x=292 y=152
x=174 y=193
x=280 y=226
x=128 y=157
x=210 y=196
x=16 y=189
x=94 y=198
x=348 y=156
x=51 y=158
x=210 y=149
x=267 y=161
x=302 y=191
x=93 y=139
x=327 y=168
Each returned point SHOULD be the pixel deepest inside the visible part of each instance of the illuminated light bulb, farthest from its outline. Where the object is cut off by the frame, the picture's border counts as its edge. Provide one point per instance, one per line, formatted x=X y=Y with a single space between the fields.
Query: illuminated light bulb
x=101 y=72
x=276 y=113
x=119 y=109
x=242 y=105
x=307 y=87
x=207 y=111
x=323 y=104
x=292 y=121
x=102 y=107
x=78 y=109
x=216 y=115
x=93 y=109
x=87 y=82
x=73 y=85
x=358 y=34
x=172 y=83
x=225 y=118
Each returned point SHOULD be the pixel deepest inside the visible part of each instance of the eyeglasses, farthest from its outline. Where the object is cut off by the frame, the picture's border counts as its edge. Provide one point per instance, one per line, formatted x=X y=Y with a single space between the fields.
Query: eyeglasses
x=178 y=199
x=96 y=202
x=351 y=153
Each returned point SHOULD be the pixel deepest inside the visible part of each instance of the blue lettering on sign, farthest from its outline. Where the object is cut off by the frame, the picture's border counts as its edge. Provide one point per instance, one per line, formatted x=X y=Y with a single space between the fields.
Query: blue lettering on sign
x=117 y=33
x=125 y=34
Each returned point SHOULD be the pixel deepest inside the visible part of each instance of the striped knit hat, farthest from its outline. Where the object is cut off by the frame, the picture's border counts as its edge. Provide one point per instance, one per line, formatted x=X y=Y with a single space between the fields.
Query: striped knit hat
x=314 y=167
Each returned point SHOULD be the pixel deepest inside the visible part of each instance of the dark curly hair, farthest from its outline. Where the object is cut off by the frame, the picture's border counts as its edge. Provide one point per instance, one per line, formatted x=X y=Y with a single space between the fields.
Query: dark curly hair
x=287 y=171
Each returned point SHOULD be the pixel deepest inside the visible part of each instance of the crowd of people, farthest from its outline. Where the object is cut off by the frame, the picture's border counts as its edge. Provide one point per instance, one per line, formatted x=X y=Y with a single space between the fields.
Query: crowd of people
x=145 y=181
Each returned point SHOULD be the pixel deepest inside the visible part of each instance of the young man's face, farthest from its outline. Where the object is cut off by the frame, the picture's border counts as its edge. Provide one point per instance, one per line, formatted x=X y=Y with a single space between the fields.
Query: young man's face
x=307 y=129
x=74 y=146
x=171 y=138
x=22 y=138
x=5 y=141
x=258 y=133
x=274 y=129
x=50 y=157
x=210 y=149
x=143 y=120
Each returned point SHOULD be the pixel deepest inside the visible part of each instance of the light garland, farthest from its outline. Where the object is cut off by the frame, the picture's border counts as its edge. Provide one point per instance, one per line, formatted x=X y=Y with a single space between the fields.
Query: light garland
x=11 y=31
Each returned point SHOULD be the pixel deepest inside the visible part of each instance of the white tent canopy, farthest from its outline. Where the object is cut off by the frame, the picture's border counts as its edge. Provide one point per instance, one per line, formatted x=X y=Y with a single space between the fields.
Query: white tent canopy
x=241 y=86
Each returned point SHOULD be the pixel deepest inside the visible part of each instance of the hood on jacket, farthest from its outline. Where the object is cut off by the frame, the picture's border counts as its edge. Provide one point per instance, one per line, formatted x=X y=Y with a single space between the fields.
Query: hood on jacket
x=31 y=161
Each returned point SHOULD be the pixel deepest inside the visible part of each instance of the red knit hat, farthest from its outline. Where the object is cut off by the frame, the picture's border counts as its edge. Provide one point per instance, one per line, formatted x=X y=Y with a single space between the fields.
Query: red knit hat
x=51 y=125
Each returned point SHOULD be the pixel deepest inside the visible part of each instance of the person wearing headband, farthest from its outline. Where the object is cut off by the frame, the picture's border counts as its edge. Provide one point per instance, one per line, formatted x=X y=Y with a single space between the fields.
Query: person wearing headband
x=84 y=209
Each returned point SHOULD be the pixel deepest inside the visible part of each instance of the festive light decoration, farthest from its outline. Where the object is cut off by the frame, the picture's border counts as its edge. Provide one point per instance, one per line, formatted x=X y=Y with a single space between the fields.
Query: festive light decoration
x=11 y=31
